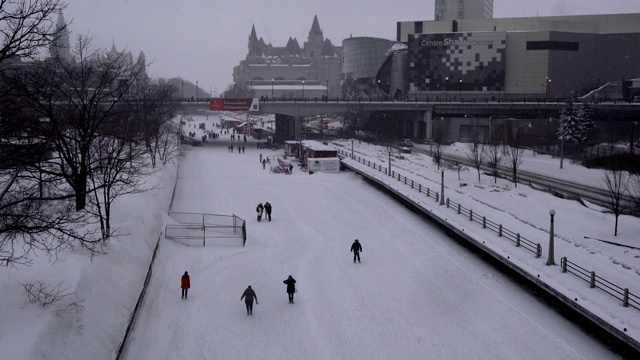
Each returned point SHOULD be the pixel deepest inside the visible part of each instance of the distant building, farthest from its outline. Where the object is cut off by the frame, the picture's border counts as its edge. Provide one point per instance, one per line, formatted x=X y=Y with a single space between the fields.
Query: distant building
x=362 y=59
x=61 y=48
x=463 y=9
x=517 y=58
x=313 y=69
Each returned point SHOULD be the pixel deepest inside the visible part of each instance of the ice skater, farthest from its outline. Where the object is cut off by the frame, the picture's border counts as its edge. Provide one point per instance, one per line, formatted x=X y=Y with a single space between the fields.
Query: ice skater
x=267 y=209
x=356 y=248
x=259 y=209
x=185 y=284
x=291 y=287
x=248 y=295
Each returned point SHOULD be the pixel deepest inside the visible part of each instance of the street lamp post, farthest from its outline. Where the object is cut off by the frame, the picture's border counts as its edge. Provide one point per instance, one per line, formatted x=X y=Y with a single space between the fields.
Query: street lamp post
x=550 y=260
x=251 y=88
x=515 y=132
x=271 y=89
x=442 y=187
x=183 y=91
x=234 y=89
x=561 y=146
x=197 y=88
x=548 y=88
x=327 y=90
x=303 y=89
x=446 y=82
x=460 y=89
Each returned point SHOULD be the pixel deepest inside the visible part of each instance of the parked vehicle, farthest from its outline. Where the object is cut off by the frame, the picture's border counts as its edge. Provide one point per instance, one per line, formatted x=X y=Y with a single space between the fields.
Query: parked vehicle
x=406 y=143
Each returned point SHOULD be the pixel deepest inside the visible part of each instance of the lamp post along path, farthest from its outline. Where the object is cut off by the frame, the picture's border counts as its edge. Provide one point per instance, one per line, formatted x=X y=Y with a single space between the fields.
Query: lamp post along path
x=550 y=260
x=442 y=187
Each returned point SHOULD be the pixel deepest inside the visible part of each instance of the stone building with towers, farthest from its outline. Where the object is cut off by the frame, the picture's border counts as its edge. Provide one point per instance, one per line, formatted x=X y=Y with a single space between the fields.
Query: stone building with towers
x=312 y=70
x=61 y=48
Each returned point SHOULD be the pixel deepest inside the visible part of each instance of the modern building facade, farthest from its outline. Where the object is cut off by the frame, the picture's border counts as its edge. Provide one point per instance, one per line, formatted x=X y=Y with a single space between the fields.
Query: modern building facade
x=362 y=57
x=463 y=9
x=290 y=70
x=538 y=57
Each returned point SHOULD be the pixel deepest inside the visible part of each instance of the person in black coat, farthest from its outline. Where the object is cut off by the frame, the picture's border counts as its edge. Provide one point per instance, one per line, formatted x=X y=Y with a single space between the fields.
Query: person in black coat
x=248 y=295
x=291 y=287
x=356 y=248
x=267 y=209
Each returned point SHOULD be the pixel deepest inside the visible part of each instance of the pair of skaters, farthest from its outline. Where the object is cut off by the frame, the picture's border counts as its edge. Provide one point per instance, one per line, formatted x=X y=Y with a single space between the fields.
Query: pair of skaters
x=249 y=295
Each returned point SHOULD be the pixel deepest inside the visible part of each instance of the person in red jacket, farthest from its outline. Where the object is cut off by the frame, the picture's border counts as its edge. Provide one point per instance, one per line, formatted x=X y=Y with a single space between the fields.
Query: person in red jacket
x=185 y=284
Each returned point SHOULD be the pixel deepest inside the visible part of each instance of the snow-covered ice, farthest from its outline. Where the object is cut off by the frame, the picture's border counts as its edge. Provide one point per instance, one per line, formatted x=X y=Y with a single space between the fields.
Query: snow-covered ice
x=417 y=293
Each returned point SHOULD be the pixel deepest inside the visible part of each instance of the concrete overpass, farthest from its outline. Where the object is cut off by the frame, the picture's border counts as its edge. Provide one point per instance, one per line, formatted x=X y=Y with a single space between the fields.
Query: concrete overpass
x=289 y=113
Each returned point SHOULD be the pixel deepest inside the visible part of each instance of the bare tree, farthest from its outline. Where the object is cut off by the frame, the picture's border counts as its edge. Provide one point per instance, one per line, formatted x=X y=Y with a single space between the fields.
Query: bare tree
x=635 y=192
x=169 y=141
x=79 y=99
x=494 y=158
x=36 y=210
x=513 y=156
x=476 y=155
x=27 y=27
x=37 y=214
x=357 y=118
x=153 y=105
x=117 y=168
x=617 y=183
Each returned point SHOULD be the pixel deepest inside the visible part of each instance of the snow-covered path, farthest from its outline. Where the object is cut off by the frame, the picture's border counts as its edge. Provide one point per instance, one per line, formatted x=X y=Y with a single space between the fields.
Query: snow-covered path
x=416 y=295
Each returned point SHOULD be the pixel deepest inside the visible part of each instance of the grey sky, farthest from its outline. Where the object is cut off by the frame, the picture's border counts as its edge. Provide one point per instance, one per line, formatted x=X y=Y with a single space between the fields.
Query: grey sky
x=202 y=40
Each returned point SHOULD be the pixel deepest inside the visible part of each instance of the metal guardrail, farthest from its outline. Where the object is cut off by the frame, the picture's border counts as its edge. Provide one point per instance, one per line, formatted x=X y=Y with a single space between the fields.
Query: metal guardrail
x=627 y=298
x=620 y=293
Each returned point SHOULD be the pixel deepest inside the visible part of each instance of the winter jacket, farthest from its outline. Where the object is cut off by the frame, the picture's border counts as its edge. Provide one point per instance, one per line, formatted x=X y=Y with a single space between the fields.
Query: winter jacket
x=291 y=285
x=356 y=247
x=248 y=295
x=185 y=282
x=267 y=208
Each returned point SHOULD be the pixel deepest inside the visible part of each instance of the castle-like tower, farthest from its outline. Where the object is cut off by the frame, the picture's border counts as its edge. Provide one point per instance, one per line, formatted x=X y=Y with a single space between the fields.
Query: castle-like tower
x=61 y=46
x=266 y=67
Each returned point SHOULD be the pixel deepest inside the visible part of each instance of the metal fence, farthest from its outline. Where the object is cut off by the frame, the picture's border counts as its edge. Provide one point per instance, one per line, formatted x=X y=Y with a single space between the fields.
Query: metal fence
x=622 y=294
x=195 y=226
x=627 y=298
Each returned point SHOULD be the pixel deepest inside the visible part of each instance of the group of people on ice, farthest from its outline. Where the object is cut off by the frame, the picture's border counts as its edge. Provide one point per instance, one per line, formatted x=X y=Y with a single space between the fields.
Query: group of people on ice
x=249 y=295
x=266 y=208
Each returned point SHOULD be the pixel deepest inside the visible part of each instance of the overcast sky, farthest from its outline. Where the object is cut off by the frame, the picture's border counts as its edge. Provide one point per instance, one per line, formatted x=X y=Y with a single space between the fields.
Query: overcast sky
x=202 y=40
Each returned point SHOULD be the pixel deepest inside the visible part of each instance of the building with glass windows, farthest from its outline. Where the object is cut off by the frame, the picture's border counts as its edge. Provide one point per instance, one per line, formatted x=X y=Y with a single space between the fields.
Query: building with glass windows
x=463 y=9
x=362 y=57
x=537 y=57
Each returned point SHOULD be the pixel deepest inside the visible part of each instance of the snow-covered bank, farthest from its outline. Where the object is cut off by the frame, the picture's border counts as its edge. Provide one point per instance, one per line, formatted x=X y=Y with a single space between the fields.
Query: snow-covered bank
x=106 y=287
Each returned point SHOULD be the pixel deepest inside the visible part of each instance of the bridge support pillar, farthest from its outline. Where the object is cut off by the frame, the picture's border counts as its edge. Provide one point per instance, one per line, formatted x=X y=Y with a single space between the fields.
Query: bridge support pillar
x=297 y=125
x=428 y=119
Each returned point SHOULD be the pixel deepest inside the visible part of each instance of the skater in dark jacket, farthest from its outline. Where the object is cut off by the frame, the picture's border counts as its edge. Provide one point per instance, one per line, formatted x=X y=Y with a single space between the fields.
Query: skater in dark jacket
x=248 y=295
x=291 y=287
x=267 y=209
x=259 y=211
x=356 y=248
x=185 y=284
